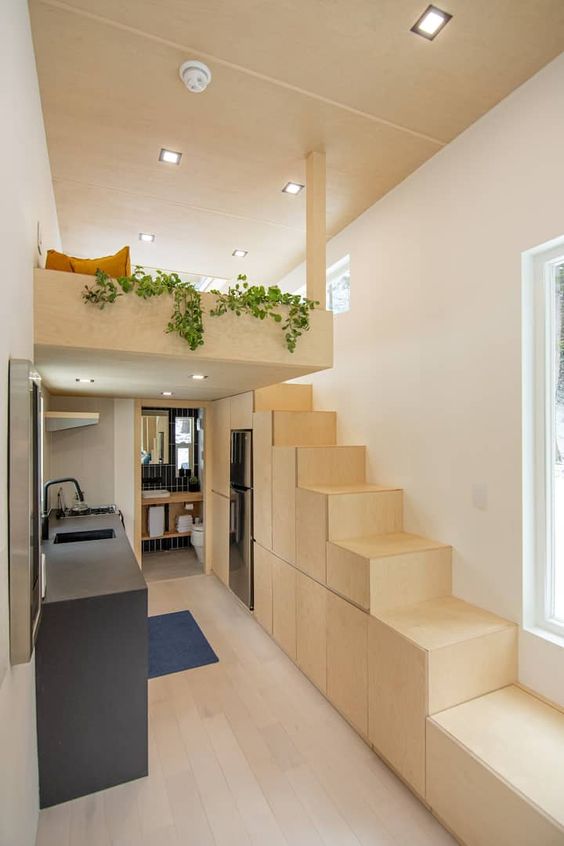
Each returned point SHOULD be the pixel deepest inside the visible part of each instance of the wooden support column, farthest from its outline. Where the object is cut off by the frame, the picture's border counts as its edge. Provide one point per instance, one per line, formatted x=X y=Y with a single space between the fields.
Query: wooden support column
x=315 y=228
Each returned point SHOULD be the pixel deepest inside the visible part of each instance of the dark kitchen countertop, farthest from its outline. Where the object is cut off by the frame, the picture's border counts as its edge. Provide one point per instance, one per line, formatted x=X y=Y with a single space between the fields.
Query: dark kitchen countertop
x=89 y=568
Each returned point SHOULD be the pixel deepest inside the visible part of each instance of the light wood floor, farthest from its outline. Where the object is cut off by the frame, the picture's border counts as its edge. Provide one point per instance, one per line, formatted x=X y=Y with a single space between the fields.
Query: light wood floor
x=173 y=564
x=245 y=751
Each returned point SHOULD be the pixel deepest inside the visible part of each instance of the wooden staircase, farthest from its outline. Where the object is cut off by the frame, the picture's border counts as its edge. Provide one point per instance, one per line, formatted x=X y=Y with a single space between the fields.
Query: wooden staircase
x=366 y=611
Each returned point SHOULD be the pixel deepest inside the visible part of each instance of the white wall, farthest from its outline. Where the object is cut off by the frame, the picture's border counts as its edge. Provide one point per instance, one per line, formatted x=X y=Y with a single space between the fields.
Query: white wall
x=428 y=361
x=99 y=456
x=86 y=452
x=26 y=197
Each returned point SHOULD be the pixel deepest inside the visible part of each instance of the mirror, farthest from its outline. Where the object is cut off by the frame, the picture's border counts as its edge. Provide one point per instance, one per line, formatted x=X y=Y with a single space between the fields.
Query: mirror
x=154 y=437
x=184 y=445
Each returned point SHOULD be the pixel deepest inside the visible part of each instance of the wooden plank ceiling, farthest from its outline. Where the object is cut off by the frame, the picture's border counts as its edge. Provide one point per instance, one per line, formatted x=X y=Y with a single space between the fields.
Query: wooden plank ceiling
x=343 y=76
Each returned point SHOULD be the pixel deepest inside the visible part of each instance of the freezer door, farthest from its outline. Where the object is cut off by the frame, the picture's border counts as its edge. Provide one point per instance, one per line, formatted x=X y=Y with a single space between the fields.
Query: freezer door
x=241 y=545
x=242 y=458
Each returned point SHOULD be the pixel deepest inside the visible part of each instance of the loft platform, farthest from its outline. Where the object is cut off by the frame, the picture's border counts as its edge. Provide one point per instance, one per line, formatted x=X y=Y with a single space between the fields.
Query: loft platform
x=126 y=350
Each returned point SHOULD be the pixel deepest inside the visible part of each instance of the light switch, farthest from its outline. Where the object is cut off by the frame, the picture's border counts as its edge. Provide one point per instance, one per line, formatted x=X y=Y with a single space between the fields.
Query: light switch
x=480 y=496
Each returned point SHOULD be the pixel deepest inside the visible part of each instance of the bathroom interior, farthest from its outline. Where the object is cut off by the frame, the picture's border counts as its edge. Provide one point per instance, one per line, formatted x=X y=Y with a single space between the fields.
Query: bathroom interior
x=172 y=497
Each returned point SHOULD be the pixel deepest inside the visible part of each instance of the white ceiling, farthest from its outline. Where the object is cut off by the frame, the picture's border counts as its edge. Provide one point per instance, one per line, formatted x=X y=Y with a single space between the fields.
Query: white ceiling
x=344 y=76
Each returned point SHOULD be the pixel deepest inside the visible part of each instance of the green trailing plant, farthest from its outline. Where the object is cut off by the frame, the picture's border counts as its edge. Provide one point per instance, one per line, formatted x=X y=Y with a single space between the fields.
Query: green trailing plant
x=187 y=317
x=186 y=320
x=104 y=291
x=291 y=310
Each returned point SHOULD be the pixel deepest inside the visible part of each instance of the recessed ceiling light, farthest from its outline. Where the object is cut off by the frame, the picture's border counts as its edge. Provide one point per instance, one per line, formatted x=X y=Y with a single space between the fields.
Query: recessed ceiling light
x=292 y=188
x=239 y=253
x=198 y=376
x=85 y=381
x=146 y=237
x=169 y=156
x=166 y=393
x=431 y=22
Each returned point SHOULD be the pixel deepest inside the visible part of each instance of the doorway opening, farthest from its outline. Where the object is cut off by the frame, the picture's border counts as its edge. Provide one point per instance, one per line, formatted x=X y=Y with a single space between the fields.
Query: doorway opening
x=171 y=490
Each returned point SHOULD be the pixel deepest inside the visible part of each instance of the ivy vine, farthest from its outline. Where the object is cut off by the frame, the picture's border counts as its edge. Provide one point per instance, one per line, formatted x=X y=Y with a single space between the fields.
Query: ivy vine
x=186 y=320
x=261 y=302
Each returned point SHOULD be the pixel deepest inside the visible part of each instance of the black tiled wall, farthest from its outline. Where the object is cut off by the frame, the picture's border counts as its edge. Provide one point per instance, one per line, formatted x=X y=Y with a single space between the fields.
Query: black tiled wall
x=164 y=475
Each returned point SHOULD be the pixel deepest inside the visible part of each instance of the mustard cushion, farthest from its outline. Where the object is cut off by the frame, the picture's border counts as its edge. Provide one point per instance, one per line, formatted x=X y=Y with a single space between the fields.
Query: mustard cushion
x=114 y=266
x=57 y=261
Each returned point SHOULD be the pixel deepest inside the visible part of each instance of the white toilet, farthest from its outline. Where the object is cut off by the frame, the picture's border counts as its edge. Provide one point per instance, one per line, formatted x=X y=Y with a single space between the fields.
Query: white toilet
x=197 y=540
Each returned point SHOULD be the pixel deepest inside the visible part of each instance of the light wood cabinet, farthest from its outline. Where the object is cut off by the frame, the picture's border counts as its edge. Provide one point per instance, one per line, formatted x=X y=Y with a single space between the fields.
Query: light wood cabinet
x=311 y=533
x=284 y=605
x=220 y=536
x=426 y=658
x=311 y=630
x=284 y=503
x=397 y=696
x=220 y=445
x=262 y=477
x=241 y=408
x=263 y=586
x=347 y=661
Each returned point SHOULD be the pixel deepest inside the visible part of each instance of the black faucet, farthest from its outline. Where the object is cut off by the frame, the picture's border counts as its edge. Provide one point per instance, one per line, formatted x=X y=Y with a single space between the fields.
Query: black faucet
x=46 y=510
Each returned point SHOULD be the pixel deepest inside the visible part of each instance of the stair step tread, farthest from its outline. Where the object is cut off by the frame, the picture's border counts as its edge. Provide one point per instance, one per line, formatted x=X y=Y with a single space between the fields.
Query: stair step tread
x=333 y=446
x=358 y=487
x=517 y=736
x=382 y=546
x=443 y=621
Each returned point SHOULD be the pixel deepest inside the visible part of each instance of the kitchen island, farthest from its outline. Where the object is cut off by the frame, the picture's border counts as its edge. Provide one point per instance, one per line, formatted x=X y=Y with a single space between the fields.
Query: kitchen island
x=91 y=661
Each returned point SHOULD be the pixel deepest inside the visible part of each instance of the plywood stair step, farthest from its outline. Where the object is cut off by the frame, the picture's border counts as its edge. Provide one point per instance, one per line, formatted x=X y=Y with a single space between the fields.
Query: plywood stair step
x=284 y=397
x=425 y=658
x=330 y=465
x=304 y=428
x=383 y=571
x=495 y=771
x=327 y=512
x=342 y=490
x=444 y=622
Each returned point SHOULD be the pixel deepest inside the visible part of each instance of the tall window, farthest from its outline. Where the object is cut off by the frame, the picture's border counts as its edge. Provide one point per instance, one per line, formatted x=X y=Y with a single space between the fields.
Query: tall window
x=338 y=289
x=547 y=478
x=339 y=286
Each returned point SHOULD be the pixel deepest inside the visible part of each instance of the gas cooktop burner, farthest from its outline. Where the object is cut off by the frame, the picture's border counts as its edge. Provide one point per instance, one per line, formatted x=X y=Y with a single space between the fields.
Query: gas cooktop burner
x=91 y=511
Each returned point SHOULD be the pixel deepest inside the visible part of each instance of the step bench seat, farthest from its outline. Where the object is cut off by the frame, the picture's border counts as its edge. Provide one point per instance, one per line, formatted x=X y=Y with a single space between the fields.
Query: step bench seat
x=495 y=770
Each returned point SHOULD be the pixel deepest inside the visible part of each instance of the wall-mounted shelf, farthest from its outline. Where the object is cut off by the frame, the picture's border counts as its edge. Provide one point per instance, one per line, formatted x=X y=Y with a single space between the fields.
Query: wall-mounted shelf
x=55 y=421
x=174 y=497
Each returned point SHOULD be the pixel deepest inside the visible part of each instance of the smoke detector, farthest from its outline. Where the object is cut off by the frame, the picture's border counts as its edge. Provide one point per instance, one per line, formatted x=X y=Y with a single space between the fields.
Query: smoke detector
x=195 y=75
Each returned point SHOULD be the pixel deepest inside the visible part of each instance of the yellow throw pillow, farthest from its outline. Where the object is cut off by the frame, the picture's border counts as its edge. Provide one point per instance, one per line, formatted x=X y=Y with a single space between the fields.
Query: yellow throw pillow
x=114 y=266
x=58 y=261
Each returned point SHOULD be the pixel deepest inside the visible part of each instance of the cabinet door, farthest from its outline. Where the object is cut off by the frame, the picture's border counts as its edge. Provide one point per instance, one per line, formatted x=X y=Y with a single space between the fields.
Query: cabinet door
x=284 y=606
x=242 y=411
x=263 y=587
x=284 y=503
x=262 y=474
x=220 y=536
x=311 y=629
x=220 y=444
x=347 y=661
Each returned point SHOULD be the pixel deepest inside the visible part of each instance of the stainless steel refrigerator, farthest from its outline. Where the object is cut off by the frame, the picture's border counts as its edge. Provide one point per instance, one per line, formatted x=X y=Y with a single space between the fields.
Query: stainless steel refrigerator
x=241 y=516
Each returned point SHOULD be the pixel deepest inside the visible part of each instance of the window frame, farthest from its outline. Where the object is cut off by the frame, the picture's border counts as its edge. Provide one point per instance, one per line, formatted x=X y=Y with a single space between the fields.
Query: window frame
x=539 y=394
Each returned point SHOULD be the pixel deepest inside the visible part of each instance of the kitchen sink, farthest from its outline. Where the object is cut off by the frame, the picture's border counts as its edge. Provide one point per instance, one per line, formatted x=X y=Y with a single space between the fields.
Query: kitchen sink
x=79 y=537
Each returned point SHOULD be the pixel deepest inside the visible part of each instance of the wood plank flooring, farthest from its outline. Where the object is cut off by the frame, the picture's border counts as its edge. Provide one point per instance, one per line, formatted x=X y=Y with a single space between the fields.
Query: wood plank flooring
x=245 y=752
x=172 y=564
